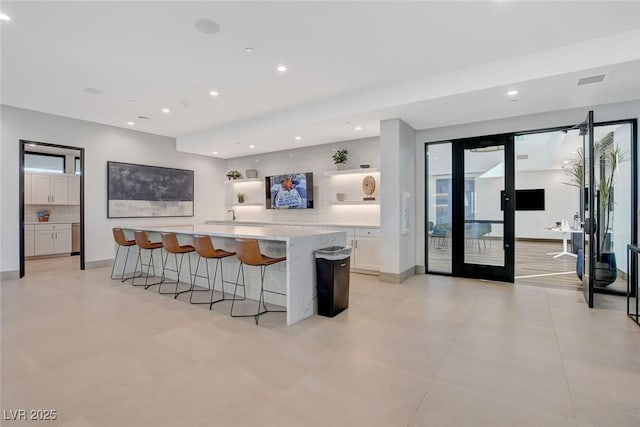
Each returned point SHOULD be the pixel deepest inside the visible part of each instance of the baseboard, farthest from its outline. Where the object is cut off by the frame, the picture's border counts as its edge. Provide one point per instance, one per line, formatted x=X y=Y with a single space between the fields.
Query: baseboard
x=398 y=278
x=421 y=269
x=98 y=264
x=9 y=275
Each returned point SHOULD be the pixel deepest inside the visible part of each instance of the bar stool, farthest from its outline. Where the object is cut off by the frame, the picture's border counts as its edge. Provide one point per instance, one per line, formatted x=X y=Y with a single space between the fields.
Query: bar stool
x=143 y=243
x=204 y=248
x=171 y=245
x=248 y=252
x=122 y=242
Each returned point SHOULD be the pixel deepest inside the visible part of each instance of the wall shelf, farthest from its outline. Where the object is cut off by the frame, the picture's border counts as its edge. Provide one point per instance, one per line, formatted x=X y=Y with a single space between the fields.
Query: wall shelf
x=239 y=181
x=235 y=205
x=359 y=171
x=356 y=202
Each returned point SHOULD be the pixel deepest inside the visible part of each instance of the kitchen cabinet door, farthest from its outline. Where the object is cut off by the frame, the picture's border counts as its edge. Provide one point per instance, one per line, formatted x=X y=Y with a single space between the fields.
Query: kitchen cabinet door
x=74 y=190
x=27 y=188
x=43 y=242
x=367 y=254
x=62 y=241
x=59 y=190
x=29 y=243
x=40 y=189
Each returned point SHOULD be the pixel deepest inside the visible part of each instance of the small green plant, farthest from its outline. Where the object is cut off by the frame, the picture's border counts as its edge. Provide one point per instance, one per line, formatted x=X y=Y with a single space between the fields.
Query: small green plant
x=340 y=157
x=233 y=174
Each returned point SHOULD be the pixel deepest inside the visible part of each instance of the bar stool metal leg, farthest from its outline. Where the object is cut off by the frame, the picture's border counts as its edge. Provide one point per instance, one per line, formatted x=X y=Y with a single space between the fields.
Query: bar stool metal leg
x=175 y=292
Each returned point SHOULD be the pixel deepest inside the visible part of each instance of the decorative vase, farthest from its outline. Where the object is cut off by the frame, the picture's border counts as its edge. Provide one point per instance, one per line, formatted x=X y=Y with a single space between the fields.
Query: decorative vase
x=251 y=173
x=341 y=197
x=240 y=199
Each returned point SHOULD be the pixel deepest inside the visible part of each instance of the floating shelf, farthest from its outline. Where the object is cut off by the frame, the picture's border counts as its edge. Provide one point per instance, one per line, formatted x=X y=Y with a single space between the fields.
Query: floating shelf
x=360 y=171
x=235 y=205
x=356 y=202
x=238 y=181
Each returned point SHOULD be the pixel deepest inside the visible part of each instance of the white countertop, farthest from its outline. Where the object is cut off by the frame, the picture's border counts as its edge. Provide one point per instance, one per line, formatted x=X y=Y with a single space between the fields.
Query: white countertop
x=262 y=233
x=51 y=222
x=306 y=224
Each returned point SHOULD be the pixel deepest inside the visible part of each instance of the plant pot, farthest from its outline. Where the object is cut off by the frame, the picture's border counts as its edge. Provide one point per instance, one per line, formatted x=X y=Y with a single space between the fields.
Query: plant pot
x=605 y=270
x=340 y=166
x=240 y=199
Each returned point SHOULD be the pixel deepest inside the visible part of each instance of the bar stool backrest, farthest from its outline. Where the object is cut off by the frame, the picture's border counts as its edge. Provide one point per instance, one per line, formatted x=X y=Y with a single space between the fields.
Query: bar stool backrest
x=248 y=251
x=170 y=242
x=204 y=246
x=118 y=236
x=142 y=240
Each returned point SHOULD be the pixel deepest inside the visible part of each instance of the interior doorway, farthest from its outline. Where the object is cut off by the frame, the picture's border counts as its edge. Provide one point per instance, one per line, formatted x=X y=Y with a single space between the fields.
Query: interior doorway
x=51 y=185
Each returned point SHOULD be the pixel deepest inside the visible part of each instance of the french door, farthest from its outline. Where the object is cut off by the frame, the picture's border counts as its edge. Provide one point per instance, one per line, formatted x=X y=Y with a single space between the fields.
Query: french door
x=483 y=208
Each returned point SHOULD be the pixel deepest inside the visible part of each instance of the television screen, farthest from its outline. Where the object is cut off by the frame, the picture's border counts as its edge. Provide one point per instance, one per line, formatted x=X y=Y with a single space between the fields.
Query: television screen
x=527 y=200
x=291 y=191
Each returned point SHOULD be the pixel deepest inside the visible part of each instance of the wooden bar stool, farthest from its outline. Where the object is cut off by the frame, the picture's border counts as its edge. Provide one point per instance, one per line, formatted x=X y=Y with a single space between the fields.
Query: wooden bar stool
x=143 y=243
x=171 y=245
x=248 y=252
x=204 y=248
x=122 y=242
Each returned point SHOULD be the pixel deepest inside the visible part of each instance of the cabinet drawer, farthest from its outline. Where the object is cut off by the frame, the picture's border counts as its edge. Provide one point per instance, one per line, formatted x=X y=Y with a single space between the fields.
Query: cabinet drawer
x=367 y=232
x=38 y=227
x=348 y=230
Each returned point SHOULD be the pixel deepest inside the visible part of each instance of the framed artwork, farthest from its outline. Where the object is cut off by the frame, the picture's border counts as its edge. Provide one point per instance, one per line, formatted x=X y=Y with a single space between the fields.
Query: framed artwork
x=140 y=191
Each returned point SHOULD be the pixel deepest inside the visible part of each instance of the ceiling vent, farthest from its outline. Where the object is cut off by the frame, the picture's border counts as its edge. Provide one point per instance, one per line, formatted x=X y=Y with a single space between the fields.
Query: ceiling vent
x=592 y=79
x=144 y=117
x=489 y=149
x=522 y=156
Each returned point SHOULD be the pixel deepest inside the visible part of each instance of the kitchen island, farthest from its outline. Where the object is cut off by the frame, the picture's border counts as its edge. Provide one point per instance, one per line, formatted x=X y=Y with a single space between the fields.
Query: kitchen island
x=296 y=277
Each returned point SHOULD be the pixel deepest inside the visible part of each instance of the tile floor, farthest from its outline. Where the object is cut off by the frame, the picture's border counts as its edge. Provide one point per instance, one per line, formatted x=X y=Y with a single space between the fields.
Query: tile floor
x=433 y=351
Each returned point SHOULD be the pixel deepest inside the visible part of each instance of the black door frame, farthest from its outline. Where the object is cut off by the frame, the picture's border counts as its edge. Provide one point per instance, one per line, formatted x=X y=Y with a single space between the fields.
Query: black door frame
x=22 y=143
x=503 y=273
x=634 y=182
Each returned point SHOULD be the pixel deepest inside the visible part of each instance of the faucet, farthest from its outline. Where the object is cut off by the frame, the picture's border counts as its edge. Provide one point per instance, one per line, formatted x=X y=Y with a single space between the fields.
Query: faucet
x=233 y=214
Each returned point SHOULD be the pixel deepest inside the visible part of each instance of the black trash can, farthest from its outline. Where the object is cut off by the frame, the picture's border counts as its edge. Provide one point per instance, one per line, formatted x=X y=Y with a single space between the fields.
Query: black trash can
x=332 y=274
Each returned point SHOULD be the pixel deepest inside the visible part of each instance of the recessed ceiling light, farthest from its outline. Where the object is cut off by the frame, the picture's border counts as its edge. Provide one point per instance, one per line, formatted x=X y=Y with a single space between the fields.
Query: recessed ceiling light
x=252 y=146
x=512 y=92
x=4 y=17
x=207 y=26
x=248 y=49
x=358 y=128
x=130 y=123
x=281 y=68
x=93 y=91
x=166 y=110
x=298 y=138
x=32 y=145
x=214 y=93
x=215 y=152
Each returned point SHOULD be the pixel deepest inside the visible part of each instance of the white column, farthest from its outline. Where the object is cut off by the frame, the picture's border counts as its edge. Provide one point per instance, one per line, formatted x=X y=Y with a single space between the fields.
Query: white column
x=398 y=172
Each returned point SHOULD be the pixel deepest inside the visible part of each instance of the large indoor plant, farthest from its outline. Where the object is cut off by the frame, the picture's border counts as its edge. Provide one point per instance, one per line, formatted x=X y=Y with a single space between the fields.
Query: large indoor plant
x=608 y=156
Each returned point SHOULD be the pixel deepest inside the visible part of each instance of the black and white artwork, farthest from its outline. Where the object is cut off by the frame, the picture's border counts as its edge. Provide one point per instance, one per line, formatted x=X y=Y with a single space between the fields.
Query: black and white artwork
x=137 y=191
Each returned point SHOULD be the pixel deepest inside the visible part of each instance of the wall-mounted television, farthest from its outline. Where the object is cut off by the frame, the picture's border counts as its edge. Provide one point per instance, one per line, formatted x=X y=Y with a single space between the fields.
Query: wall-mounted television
x=527 y=200
x=289 y=191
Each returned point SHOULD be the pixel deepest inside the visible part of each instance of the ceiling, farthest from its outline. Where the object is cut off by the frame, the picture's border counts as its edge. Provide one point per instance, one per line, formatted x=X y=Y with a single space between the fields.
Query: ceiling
x=349 y=64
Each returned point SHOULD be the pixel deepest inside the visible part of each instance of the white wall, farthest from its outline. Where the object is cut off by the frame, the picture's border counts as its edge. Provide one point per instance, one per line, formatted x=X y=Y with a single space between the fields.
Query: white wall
x=618 y=111
x=101 y=143
x=316 y=159
x=398 y=167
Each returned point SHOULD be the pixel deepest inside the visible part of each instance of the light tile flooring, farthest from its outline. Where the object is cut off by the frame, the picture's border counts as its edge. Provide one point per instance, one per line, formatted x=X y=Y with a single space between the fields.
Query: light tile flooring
x=433 y=351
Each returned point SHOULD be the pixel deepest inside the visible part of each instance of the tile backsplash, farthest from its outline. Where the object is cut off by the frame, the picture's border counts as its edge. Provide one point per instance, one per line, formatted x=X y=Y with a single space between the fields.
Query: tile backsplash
x=69 y=213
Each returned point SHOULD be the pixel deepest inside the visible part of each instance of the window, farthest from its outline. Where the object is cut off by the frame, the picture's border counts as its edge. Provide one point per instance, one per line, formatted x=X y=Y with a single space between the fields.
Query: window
x=41 y=162
x=77 y=169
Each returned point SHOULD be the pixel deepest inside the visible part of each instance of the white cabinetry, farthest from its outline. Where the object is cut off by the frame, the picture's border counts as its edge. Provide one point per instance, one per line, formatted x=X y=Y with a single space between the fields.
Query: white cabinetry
x=52 y=239
x=365 y=243
x=29 y=240
x=48 y=189
x=74 y=190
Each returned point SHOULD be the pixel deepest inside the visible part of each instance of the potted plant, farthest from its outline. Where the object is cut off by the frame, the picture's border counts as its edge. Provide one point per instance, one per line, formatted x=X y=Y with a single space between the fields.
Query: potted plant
x=234 y=174
x=608 y=156
x=340 y=158
x=241 y=197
